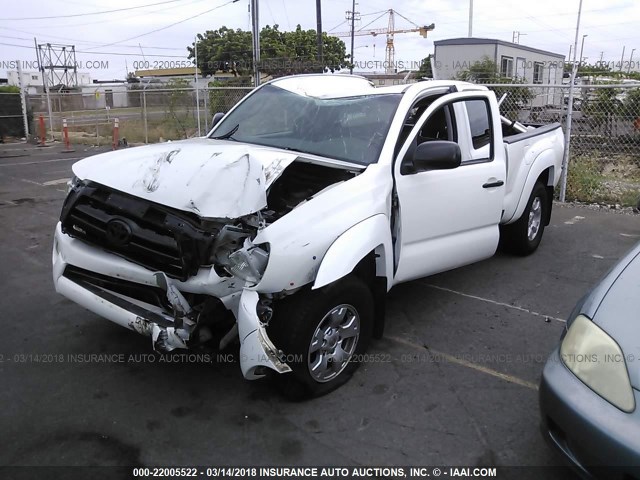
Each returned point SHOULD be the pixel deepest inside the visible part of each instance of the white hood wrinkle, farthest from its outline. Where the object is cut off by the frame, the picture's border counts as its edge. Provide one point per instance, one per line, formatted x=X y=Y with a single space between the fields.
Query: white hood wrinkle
x=211 y=178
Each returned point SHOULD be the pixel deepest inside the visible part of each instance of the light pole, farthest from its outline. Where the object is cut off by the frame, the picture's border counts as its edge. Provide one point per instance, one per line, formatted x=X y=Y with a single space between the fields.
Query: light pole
x=582 y=47
x=630 y=60
x=470 y=18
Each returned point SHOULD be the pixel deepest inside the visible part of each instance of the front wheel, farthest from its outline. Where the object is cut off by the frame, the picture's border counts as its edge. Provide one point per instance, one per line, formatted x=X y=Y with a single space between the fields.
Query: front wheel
x=524 y=235
x=322 y=333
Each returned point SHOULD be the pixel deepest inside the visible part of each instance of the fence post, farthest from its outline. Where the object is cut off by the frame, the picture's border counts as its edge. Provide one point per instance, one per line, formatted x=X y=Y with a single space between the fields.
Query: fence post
x=50 y=112
x=97 y=97
x=567 y=134
x=206 y=111
x=65 y=136
x=144 y=113
x=116 y=131
x=567 y=140
x=43 y=131
x=23 y=101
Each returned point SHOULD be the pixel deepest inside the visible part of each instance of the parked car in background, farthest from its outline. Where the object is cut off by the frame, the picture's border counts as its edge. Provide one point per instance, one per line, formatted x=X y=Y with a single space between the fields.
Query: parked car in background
x=288 y=224
x=590 y=389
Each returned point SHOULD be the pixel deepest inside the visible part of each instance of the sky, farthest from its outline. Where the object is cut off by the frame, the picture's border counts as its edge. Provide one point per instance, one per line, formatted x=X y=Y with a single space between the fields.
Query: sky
x=110 y=44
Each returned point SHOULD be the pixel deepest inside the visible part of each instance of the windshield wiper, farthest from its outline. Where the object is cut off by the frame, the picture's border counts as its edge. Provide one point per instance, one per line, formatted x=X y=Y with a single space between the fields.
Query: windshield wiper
x=291 y=149
x=228 y=135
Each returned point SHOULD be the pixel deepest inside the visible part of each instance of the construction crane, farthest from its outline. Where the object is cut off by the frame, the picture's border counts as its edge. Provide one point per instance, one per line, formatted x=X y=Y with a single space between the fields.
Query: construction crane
x=390 y=31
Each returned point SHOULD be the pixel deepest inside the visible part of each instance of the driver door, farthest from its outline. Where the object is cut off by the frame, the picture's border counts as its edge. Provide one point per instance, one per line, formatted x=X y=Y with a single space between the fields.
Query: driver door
x=449 y=218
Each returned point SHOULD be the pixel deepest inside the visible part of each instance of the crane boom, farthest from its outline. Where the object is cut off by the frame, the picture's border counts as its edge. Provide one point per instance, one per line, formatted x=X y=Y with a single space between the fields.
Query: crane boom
x=383 y=31
x=390 y=31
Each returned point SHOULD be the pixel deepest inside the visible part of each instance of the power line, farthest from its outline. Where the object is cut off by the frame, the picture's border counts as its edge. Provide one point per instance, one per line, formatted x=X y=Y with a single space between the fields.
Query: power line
x=80 y=42
x=30 y=47
x=91 y=13
x=286 y=14
x=111 y=19
x=168 y=26
x=342 y=22
x=374 y=20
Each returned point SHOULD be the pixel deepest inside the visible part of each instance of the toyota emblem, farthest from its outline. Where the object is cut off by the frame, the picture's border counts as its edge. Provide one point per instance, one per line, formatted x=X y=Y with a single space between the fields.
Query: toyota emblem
x=118 y=233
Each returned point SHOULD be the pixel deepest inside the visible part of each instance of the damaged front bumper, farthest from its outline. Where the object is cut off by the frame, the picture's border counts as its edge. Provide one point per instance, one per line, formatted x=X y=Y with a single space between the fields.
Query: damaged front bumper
x=91 y=278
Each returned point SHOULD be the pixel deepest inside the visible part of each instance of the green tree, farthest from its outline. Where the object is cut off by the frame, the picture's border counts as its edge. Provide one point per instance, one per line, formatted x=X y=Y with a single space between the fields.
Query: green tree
x=632 y=103
x=180 y=103
x=486 y=71
x=603 y=108
x=281 y=53
x=596 y=70
x=425 y=68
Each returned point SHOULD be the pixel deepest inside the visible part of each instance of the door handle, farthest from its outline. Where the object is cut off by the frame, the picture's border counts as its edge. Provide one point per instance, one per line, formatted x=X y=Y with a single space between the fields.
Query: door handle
x=498 y=183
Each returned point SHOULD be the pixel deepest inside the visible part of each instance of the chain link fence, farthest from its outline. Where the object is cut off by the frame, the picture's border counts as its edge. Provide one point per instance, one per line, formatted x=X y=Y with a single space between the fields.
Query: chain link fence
x=604 y=163
x=145 y=115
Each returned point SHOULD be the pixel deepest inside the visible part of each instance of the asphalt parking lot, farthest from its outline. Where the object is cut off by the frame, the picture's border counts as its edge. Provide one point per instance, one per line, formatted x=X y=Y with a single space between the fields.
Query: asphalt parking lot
x=455 y=381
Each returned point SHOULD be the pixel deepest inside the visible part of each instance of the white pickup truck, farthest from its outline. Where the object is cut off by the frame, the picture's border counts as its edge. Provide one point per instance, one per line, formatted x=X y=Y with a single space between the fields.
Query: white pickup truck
x=286 y=225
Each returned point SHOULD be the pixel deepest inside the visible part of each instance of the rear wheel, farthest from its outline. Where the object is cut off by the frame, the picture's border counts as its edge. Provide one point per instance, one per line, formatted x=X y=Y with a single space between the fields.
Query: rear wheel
x=321 y=333
x=523 y=236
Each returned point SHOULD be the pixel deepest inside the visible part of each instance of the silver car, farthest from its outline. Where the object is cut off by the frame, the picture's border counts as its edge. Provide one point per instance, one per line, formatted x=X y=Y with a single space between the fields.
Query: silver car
x=590 y=389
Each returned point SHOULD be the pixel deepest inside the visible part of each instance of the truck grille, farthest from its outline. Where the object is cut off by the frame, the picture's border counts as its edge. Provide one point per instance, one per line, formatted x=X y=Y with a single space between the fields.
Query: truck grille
x=151 y=235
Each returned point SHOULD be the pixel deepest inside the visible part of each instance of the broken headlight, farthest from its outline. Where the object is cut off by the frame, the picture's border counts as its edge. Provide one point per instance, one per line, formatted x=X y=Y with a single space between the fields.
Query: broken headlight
x=249 y=262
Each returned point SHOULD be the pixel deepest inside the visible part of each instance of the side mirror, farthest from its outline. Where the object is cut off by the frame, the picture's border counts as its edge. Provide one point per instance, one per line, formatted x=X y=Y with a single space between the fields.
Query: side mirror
x=216 y=118
x=436 y=155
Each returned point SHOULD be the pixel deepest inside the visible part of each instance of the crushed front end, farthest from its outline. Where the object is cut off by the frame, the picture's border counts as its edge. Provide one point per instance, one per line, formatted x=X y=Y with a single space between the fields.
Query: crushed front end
x=166 y=273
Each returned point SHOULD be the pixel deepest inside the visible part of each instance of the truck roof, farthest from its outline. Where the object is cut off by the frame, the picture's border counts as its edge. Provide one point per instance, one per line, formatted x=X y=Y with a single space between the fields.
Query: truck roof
x=341 y=85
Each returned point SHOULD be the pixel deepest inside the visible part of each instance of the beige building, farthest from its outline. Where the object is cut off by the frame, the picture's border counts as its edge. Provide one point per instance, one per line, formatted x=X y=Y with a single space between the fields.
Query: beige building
x=519 y=62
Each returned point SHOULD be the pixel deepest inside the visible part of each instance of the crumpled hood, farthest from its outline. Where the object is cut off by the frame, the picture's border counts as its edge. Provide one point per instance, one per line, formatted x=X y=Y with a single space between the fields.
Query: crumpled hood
x=214 y=179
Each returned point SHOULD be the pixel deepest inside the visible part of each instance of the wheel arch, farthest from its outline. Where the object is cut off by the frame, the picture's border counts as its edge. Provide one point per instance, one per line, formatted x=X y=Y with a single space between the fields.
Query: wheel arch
x=370 y=238
x=543 y=170
x=365 y=250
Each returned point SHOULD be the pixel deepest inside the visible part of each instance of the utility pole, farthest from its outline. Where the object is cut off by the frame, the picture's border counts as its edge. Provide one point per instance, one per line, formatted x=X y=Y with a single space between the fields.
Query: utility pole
x=582 y=48
x=470 y=19
x=255 y=24
x=570 y=50
x=319 y=32
x=353 y=26
x=516 y=38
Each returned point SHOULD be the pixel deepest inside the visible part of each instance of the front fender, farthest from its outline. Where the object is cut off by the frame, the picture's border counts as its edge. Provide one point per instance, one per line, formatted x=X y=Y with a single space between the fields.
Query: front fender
x=373 y=233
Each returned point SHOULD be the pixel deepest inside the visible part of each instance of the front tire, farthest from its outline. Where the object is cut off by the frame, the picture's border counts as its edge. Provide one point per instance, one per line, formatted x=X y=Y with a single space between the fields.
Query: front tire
x=321 y=332
x=524 y=235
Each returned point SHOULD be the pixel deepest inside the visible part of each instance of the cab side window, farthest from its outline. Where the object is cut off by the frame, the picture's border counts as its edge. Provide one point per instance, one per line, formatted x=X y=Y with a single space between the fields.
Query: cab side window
x=466 y=122
x=480 y=130
x=439 y=126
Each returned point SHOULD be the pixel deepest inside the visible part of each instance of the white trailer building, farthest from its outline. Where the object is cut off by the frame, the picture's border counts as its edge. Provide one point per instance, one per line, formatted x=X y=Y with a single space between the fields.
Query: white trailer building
x=519 y=62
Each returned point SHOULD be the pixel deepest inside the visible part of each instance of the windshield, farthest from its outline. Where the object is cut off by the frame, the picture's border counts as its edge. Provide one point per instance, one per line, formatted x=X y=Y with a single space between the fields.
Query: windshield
x=351 y=129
